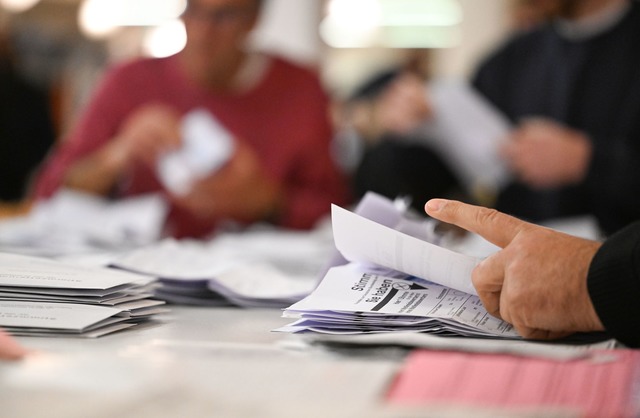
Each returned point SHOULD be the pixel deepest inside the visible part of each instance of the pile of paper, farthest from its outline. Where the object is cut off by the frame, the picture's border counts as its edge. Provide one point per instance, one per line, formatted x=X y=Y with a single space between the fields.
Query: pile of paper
x=394 y=282
x=259 y=268
x=71 y=222
x=353 y=300
x=43 y=297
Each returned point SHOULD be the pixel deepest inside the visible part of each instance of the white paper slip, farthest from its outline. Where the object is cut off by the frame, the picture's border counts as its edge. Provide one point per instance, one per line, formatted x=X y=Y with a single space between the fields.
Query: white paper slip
x=206 y=146
x=467 y=131
x=261 y=281
x=364 y=241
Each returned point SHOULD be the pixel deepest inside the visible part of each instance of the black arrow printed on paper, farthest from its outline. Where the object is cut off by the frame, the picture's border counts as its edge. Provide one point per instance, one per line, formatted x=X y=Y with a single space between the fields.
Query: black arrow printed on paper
x=395 y=288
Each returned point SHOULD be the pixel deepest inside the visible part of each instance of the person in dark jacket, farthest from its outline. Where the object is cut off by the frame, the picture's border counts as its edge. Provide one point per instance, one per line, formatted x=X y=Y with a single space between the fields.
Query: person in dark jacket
x=572 y=88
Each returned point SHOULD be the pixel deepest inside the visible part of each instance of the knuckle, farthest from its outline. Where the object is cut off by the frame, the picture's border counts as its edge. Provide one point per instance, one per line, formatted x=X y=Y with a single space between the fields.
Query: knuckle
x=486 y=216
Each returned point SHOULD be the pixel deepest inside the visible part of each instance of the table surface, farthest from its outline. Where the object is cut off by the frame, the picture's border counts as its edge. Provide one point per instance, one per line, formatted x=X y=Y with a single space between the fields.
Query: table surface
x=222 y=362
x=210 y=362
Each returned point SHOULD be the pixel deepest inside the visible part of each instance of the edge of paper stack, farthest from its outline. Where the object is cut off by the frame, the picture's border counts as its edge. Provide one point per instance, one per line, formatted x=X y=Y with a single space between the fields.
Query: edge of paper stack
x=43 y=297
x=395 y=279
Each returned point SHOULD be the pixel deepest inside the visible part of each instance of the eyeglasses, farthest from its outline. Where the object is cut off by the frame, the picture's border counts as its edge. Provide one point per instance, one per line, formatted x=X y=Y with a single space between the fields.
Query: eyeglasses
x=222 y=16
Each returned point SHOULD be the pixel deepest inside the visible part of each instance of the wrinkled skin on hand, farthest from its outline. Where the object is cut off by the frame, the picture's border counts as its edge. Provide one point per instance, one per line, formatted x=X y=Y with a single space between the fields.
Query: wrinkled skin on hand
x=537 y=282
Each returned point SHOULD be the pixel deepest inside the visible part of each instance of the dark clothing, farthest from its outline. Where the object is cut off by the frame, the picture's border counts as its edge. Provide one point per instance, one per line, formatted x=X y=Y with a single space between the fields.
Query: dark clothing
x=592 y=86
x=395 y=167
x=614 y=285
x=26 y=133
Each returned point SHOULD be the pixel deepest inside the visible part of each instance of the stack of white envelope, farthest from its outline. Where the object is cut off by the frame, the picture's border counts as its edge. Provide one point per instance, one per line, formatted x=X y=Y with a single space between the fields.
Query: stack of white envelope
x=43 y=297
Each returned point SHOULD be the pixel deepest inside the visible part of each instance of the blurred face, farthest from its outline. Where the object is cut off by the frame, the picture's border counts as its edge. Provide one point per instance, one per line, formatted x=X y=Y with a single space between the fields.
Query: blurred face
x=216 y=32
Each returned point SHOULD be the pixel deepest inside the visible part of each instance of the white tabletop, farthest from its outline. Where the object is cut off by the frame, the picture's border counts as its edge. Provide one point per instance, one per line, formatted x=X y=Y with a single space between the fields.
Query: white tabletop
x=196 y=362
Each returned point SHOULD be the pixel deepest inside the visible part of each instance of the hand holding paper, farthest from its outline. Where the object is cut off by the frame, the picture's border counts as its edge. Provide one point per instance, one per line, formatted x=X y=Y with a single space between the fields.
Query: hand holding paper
x=394 y=282
x=206 y=146
x=538 y=281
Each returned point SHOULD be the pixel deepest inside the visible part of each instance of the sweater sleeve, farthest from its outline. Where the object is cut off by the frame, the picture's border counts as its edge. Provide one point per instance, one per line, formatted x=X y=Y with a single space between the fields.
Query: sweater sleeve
x=614 y=285
x=613 y=179
x=97 y=125
x=316 y=182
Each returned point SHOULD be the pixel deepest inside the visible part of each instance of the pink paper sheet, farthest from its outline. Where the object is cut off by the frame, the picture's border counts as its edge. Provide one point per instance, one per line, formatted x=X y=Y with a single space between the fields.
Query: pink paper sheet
x=600 y=386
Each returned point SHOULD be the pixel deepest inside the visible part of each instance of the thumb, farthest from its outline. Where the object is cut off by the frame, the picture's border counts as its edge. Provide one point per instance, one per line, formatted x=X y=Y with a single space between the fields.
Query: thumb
x=494 y=226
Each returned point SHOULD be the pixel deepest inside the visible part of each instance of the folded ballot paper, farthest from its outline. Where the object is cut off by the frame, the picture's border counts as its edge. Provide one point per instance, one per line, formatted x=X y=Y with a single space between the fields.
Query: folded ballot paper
x=394 y=280
x=262 y=267
x=43 y=297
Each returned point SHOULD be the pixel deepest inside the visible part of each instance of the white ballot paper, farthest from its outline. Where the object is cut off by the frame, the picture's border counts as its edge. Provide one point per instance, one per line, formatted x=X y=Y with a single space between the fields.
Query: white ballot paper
x=394 y=282
x=380 y=302
x=365 y=241
x=206 y=146
x=47 y=298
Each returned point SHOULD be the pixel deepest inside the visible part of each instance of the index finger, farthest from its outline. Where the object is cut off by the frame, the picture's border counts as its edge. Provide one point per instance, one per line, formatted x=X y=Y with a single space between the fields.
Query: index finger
x=496 y=227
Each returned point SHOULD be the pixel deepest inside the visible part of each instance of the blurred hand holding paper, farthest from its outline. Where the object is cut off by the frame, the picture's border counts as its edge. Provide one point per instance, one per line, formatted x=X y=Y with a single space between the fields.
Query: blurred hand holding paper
x=206 y=146
x=468 y=132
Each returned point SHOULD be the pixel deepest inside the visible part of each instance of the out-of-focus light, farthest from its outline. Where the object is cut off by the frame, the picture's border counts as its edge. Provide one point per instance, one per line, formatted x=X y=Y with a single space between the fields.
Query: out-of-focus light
x=99 y=18
x=420 y=12
x=392 y=23
x=166 y=39
x=18 y=6
x=351 y=23
x=359 y=13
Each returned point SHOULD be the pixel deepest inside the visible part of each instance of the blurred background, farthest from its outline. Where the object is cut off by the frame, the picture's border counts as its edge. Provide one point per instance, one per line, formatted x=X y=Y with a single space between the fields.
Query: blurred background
x=62 y=46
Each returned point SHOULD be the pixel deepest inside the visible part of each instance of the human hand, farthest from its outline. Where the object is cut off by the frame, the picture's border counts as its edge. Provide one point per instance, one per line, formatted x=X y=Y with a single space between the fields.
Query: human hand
x=537 y=282
x=148 y=132
x=239 y=190
x=403 y=106
x=9 y=348
x=545 y=154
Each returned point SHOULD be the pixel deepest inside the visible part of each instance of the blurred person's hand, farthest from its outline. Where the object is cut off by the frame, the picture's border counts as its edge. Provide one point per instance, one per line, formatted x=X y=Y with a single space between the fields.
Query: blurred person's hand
x=538 y=281
x=545 y=154
x=403 y=106
x=9 y=348
x=240 y=190
x=148 y=133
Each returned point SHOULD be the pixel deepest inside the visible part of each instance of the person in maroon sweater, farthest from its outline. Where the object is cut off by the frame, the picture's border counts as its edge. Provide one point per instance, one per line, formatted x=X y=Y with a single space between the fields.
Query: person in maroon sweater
x=548 y=284
x=281 y=170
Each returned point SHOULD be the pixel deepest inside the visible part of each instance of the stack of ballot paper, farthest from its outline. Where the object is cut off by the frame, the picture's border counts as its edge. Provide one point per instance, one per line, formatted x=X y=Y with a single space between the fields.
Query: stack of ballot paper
x=264 y=267
x=394 y=281
x=42 y=297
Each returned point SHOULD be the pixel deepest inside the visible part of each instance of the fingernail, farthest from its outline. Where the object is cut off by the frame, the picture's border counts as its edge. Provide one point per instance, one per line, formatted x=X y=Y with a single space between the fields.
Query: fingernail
x=435 y=205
